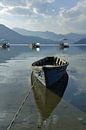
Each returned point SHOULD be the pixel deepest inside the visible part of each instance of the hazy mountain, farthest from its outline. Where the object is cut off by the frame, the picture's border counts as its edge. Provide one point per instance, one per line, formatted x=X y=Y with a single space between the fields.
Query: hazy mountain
x=72 y=37
x=45 y=35
x=42 y=37
x=14 y=37
x=82 y=41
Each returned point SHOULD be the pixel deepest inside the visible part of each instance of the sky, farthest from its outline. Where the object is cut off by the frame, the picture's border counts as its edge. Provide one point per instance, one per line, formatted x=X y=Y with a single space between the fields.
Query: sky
x=59 y=16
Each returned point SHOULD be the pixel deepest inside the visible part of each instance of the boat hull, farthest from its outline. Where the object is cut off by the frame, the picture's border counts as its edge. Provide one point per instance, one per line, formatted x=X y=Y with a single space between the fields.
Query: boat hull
x=51 y=68
x=52 y=75
x=58 y=87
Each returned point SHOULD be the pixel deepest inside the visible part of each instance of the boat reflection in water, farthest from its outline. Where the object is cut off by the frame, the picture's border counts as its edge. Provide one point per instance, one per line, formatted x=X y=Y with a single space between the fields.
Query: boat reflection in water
x=37 y=49
x=48 y=98
x=34 y=48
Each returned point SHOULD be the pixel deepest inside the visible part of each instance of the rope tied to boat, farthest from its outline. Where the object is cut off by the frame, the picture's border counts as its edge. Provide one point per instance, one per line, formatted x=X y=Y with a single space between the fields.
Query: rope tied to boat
x=20 y=107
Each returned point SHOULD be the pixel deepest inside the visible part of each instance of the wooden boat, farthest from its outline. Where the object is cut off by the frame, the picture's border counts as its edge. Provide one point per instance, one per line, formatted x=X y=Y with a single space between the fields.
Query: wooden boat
x=48 y=98
x=49 y=70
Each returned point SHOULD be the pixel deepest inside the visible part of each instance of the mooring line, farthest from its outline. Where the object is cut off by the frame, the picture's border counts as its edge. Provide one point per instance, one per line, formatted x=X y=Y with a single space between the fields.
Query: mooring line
x=21 y=106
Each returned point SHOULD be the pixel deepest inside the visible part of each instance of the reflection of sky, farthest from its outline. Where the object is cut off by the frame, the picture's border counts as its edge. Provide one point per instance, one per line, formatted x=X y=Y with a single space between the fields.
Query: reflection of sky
x=18 y=62
x=15 y=80
x=76 y=91
x=78 y=72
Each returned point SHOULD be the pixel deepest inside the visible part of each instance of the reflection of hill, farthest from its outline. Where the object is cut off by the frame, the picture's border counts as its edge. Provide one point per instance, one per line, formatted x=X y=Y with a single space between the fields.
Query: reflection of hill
x=47 y=99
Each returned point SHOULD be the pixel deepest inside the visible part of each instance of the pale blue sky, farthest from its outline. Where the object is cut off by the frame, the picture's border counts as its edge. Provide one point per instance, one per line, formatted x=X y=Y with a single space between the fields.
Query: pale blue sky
x=60 y=16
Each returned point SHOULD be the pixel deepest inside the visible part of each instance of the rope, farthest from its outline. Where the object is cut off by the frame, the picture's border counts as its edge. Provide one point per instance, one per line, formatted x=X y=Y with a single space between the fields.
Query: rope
x=20 y=108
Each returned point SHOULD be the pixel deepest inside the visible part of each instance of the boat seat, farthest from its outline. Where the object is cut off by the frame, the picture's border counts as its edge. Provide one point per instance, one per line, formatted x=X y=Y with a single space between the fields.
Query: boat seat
x=57 y=62
x=60 y=62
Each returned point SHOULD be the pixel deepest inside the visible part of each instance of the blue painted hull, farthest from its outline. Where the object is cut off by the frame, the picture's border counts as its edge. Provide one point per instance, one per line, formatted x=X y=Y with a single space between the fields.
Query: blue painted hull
x=58 y=87
x=52 y=68
x=52 y=75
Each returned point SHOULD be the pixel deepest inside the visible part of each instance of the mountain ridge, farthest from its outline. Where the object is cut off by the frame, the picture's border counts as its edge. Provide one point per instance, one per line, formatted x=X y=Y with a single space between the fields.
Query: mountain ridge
x=48 y=37
x=72 y=37
x=14 y=37
x=82 y=41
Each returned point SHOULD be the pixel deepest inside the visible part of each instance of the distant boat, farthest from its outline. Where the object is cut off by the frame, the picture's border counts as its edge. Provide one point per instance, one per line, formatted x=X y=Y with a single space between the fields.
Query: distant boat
x=35 y=45
x=47 y=99
x=64 y=44
x=49 y=70
x=5 y=45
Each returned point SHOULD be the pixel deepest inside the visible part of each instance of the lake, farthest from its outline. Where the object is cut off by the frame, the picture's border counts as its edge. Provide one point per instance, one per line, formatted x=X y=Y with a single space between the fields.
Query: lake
x=15 y=84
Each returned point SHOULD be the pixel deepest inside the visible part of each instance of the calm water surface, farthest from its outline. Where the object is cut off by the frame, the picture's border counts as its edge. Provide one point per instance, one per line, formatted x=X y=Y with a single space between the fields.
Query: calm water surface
x=15 y=83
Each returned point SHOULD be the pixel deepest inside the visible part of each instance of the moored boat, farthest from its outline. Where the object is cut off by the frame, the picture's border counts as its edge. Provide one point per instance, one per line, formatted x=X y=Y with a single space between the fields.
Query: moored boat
x=49 y=70
x=5 y=45
x=64 y=44
x=35 y=45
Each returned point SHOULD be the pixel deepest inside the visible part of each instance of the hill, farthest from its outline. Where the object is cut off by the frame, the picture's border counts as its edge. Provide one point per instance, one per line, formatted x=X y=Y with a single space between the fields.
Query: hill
x=14 y=37
x=72 y=37
x=82 y=41
x=45 y=35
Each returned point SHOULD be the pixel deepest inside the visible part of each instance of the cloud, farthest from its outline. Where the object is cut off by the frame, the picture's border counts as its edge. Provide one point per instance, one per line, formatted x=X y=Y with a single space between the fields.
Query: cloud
x=45 y=15
x=36 y=6
x=41 y=1
x=24 y=2
x=73 y=19
x=13 y=2
x=18 y=10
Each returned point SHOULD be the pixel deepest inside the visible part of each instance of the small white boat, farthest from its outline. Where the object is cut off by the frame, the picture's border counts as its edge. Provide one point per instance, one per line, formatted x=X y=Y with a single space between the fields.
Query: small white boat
x=35 y=45
x=5 y=45
x=64 y=44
